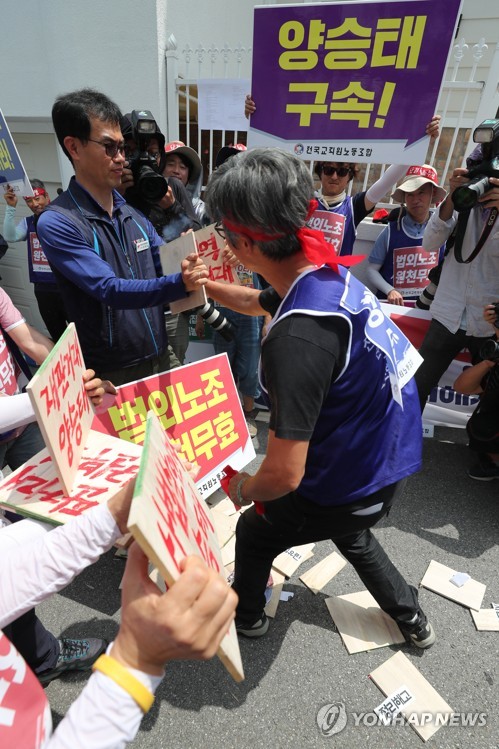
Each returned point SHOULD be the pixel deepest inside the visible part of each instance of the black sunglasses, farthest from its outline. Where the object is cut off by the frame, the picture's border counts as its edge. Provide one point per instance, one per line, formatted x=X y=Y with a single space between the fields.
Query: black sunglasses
x=111 y=148
x=341 y=171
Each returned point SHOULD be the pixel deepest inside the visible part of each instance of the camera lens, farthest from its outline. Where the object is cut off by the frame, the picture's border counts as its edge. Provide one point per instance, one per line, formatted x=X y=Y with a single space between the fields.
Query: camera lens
x=151 y=185
x=466 y=196
x=490 y=350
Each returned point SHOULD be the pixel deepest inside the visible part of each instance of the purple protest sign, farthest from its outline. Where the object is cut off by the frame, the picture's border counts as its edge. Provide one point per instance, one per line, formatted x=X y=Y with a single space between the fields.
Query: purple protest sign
x=350 y=81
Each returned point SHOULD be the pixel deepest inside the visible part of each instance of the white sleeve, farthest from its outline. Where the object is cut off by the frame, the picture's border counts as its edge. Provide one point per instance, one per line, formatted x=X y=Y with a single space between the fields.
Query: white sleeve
x=33 y=571
x=15 y=411
x=376 y=279
x=11 y=232
x=104 y=716
x=437 y=231
x=385 y=183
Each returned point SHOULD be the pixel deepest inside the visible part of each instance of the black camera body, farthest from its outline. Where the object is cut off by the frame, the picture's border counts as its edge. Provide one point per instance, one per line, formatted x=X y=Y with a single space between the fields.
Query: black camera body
x=149 y=184
x=466 y=196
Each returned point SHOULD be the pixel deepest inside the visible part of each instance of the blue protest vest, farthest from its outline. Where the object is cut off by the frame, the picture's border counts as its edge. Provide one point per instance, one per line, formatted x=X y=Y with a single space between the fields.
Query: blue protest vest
x=398 y=239
x=345 y=208
x=39 y=269
x=364 y=439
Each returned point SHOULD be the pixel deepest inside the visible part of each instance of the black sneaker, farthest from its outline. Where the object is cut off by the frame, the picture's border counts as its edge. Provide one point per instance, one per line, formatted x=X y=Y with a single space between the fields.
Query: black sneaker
x=419 y=631
x=75 y=655
x=484 y=470
x=258 y=629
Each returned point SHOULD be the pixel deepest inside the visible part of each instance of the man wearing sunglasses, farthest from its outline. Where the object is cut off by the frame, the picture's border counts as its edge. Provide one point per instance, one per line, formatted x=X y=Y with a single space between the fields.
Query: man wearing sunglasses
x=351 y=209
x=335 y=177
x=104 y=253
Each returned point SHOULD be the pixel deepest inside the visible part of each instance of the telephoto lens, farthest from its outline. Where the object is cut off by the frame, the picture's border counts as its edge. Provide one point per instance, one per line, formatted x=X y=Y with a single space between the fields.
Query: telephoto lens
x=218 y=322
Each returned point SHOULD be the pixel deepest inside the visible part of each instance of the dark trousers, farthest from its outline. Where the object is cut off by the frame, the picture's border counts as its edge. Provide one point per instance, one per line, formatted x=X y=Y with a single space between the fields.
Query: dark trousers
x=52 y=311
x=438 y=349
x=39 y=648
x=293 y=520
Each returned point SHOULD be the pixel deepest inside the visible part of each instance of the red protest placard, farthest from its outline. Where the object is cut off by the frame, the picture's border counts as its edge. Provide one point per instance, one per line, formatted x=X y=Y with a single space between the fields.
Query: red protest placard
x=62 y=406
x=331 y=224
x=411 y=266
x=25 y=718
x=105 y=467
x=197 y=405
x=170 y=521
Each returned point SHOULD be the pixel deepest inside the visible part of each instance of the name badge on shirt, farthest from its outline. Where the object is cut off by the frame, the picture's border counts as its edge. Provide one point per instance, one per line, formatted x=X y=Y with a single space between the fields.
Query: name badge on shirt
x=141 y=244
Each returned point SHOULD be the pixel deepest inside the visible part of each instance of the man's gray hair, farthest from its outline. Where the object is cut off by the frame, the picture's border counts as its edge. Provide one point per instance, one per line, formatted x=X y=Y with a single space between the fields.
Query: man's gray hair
x=265 y=190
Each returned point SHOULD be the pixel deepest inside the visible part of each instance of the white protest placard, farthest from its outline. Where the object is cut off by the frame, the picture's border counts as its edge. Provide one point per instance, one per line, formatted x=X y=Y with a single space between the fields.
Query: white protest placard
x=362 y=624
x=62 y=406
x=426 y=711
x=170 y=521
x=210 y=246
x=171 y=255
x=221 y=103
x=12 y=171
x=105 y=468
x=438 y=578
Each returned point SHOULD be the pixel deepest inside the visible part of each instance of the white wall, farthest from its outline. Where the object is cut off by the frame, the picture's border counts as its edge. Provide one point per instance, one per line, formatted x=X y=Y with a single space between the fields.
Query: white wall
x=54 y=47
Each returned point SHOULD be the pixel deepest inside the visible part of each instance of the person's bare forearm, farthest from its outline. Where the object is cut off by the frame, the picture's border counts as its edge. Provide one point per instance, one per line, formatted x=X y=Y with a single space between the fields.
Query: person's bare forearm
x=32 y=342
x=469 y=381
x=238 y=298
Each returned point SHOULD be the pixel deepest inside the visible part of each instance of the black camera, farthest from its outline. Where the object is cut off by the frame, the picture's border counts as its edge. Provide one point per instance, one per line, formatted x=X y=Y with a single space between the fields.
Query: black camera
x=490 y=350
x=140 y=126
x=218 y=322
x=466 y=196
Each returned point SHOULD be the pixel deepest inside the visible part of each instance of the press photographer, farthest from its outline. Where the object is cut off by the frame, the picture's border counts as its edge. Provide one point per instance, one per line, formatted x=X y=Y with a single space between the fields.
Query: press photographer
x=164 y=201
x=483 y=425
x=470 y=273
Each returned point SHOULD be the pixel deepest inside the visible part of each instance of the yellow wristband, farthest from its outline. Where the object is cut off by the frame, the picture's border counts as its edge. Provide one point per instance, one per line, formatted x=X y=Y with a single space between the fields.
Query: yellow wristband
x=122 y=676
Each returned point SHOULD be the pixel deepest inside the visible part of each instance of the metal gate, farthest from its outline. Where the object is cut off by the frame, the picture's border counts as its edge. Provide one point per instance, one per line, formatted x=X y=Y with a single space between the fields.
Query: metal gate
x=464 y=103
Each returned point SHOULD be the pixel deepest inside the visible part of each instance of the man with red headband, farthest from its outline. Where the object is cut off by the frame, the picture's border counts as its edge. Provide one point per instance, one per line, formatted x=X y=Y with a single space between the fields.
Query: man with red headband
x=47 y=294
x=345 y=430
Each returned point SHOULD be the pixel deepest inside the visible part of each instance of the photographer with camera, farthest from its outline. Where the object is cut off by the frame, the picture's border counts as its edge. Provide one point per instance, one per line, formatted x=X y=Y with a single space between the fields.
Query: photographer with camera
x=163 y=200
x=469 y=277
x=483 y=425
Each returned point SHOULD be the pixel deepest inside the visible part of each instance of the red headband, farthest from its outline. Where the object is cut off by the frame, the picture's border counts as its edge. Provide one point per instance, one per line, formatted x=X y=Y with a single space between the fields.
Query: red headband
x=37 y=191
x=312 y=242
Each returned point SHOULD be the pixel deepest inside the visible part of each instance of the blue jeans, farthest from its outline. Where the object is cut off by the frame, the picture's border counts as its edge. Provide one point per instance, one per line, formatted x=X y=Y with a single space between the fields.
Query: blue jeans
x=243 y=351
x=293 y=520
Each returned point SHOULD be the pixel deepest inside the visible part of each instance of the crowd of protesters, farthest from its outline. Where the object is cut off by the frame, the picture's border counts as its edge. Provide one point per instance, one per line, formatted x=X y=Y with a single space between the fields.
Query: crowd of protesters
x=93 y=256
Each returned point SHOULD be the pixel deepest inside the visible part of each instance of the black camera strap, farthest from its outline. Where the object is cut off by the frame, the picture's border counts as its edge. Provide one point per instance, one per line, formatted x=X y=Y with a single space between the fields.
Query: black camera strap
x=458 y=237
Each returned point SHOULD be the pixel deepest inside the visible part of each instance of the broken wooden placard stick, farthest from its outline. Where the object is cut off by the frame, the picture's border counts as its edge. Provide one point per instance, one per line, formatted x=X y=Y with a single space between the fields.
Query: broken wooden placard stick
x=318 y=576
x=361 y=623
x=426 y=711
x=438 y=578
